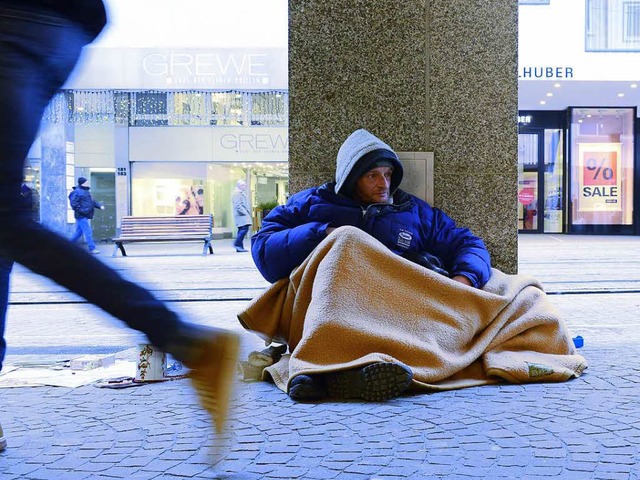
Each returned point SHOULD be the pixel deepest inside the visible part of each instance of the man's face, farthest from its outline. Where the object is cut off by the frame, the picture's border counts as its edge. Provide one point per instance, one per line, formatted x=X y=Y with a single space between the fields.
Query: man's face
x=373 y=186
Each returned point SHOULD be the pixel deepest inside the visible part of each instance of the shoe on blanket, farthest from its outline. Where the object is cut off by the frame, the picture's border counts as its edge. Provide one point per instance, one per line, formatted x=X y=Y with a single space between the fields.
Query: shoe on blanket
x=376 y=382
x=307 y=387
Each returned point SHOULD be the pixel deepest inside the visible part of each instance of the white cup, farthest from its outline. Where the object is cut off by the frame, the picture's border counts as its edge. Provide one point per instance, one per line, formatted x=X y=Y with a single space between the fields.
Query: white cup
x=152 y=364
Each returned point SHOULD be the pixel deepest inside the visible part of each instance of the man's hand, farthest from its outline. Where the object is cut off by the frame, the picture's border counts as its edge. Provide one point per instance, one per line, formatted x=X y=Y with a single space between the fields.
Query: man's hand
x=462 y=279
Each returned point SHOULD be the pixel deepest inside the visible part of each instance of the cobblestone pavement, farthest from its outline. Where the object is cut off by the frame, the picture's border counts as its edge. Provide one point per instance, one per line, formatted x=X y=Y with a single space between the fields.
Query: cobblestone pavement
x=587 y=428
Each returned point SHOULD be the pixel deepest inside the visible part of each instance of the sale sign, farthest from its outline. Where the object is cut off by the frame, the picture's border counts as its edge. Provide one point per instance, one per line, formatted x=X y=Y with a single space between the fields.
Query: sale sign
x=598 y=177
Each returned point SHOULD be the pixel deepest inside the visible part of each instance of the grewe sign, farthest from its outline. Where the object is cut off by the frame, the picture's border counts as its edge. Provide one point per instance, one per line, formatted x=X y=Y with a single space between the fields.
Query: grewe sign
x=182 y=68
x=205 y=64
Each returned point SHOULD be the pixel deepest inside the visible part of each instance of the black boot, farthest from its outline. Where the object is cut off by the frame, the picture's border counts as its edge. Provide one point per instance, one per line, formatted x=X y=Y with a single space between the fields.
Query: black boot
x=307 y=387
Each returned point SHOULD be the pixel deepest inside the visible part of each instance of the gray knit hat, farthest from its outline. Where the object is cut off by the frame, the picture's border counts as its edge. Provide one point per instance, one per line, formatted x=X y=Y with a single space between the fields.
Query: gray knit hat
x=359 y=153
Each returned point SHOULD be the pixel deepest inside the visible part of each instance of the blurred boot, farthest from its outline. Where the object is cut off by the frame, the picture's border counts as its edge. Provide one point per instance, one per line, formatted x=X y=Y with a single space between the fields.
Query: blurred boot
x=211 y=354
x=3 y=441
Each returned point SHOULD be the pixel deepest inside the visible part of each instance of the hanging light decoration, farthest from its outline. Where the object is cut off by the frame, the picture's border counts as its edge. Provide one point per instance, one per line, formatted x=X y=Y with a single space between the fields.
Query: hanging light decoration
x=196 y=107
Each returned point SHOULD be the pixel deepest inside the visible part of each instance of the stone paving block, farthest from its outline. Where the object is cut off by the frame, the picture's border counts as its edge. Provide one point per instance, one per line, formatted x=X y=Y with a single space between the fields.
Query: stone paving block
x=515 y=460
x=135 y=461
x=582 y=466
x=543 y=470
x=157 y=465
x=45 y=458
x=321 y=473
x=374 y=459
x=21 y=468
x=468 y=471
x=427 y=470
x=617 y=463
x=260 y=469
x=177 y=455
x=68 y=462
x=361 y=469
x=276 y=448
x=44 y=474
x=606 y=475
x=186 y=470
x=274 y=458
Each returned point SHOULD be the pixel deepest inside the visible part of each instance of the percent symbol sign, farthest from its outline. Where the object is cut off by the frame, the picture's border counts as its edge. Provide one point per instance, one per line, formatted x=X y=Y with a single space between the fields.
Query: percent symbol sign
x=599 y=168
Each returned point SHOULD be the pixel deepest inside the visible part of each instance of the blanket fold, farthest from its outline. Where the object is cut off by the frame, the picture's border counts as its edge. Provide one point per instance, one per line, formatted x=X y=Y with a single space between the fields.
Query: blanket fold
x=353 y=302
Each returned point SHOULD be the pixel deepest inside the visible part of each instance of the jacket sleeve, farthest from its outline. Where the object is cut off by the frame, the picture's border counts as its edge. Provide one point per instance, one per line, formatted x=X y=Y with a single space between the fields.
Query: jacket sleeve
x=284 y=241
x=461 y=251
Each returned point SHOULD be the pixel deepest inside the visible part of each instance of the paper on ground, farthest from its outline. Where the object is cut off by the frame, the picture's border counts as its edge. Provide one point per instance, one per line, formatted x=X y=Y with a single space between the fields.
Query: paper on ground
x=36 y=377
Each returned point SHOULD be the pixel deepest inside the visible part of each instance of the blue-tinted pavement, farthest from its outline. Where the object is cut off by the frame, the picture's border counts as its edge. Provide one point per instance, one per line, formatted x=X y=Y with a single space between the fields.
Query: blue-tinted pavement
x=583 y=429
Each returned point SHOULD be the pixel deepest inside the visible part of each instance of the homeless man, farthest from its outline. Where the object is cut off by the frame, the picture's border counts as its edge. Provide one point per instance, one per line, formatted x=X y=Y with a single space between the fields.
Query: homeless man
x=363 y=317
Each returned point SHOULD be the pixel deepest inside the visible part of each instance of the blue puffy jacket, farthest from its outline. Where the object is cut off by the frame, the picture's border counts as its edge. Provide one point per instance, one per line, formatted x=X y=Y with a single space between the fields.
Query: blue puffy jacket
x=290 y=232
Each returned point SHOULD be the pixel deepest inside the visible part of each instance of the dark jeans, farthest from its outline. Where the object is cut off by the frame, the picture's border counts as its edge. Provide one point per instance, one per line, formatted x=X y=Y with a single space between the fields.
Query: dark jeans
x=5 y=271
x=242 y=232
x=38 y=50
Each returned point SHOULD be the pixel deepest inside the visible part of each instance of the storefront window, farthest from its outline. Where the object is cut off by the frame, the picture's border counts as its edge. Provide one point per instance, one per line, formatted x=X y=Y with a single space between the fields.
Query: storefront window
x=227 y=108
x=268 y=108
x=92 y=107
x=150 y=109
x=602 y=166
x=188 y=108
x=170 y=189
x=553 y=177
x=527 y=181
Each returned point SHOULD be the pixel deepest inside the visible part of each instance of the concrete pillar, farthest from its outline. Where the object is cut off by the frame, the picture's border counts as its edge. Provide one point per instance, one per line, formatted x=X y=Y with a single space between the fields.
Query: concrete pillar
x=57 y=140
x=425 y=76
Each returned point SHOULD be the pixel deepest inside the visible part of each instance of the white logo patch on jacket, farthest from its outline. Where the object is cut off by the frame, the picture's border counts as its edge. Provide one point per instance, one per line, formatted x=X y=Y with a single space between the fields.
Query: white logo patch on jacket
x=404 y=239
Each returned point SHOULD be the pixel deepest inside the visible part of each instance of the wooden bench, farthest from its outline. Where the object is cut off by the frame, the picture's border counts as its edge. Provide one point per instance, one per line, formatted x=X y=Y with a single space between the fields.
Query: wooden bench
x=179 y=228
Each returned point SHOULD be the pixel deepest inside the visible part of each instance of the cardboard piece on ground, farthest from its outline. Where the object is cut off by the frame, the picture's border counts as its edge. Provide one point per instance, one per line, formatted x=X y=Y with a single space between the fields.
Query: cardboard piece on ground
x=37 y=377
x=89 y=362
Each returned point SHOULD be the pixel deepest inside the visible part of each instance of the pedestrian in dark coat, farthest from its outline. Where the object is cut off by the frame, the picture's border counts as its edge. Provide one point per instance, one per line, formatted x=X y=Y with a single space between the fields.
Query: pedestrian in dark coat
x=83 y=206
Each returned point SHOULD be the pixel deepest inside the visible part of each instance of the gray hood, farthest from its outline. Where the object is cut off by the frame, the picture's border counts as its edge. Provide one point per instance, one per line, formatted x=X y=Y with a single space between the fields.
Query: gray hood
x=356 y=146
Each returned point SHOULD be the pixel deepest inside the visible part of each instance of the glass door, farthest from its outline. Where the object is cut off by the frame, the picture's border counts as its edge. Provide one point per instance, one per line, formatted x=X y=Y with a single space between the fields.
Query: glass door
x=529 y=182
x=103 y=190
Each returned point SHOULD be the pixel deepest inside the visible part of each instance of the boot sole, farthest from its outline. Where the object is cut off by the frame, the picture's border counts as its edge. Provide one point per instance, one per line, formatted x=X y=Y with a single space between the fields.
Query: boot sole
x=375 y=383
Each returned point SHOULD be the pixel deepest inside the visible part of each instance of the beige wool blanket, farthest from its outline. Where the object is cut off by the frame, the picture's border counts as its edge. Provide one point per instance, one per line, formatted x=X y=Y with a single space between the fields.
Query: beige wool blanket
x=353 y=302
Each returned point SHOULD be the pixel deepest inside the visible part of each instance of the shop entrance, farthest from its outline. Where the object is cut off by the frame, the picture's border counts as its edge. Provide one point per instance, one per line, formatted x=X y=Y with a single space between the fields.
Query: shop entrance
x=529 y=181
x=103 y=190
x=540 y=180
